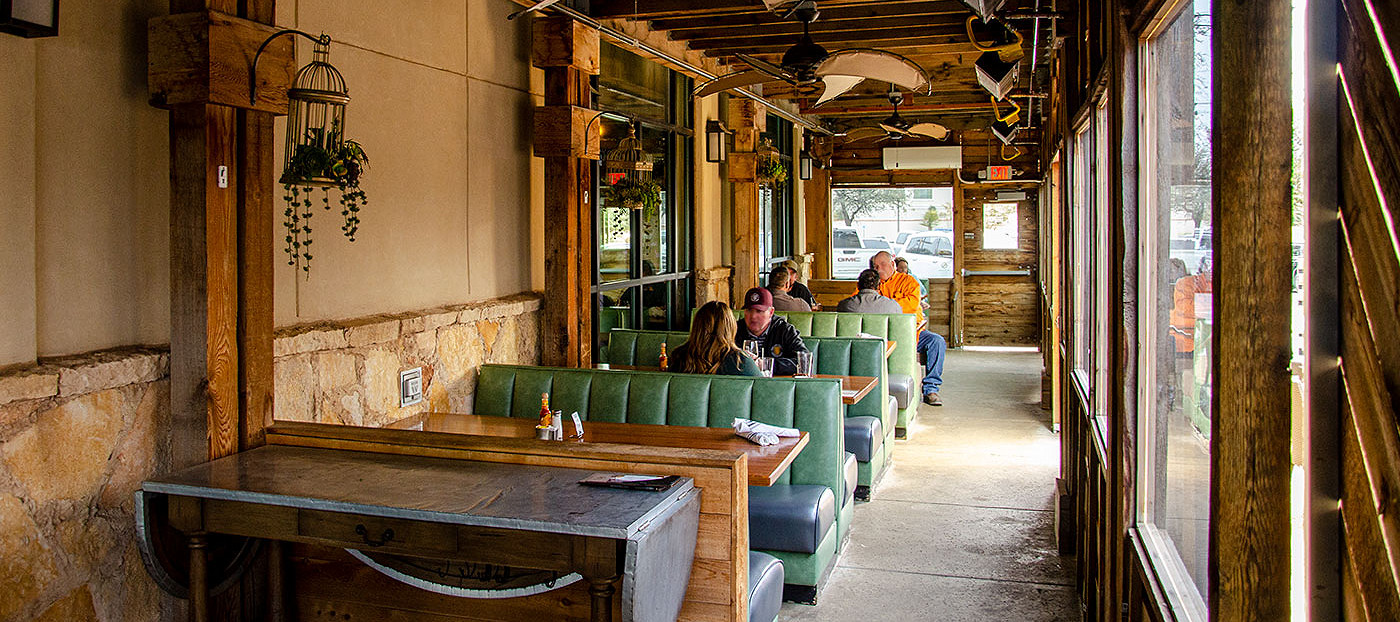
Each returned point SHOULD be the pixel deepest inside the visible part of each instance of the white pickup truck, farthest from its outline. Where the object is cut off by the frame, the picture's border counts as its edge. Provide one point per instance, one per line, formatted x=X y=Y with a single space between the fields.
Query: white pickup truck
x=848 y=255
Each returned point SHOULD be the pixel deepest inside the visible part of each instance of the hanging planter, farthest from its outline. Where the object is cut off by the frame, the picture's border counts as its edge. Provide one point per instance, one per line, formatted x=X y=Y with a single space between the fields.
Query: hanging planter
x=318 y=156
x=636 y=193
x=770 y=169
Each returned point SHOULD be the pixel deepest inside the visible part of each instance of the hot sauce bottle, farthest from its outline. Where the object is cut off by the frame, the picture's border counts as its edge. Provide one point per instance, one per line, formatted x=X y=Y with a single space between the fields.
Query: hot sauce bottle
x=663 y=360
x=546 y=417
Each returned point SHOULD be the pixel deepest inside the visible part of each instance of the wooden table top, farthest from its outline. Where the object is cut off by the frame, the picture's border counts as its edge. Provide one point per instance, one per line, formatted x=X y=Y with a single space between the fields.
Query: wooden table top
x=765 y=463
x=853 y=388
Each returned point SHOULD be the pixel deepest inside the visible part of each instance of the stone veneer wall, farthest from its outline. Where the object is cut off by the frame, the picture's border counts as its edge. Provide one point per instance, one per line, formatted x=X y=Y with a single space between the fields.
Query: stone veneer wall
x=348 y=372
x=78 y=435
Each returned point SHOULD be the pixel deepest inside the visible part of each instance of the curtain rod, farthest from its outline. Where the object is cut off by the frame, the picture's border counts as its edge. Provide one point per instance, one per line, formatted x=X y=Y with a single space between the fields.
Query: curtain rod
x=637 y=44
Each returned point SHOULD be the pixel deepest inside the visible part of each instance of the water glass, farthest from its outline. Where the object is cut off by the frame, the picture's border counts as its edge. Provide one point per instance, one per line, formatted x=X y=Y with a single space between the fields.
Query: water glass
x=806 y=364
x=751 y=346
x=765 y=366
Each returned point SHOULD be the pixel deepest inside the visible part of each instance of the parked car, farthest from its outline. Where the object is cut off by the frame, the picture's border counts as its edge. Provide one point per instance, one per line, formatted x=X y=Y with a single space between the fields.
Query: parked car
x=930 y=255
x=848 y=254
x=875 y=244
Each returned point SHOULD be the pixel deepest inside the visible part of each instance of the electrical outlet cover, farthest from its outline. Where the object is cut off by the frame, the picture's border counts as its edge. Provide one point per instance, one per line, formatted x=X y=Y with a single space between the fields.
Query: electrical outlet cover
x=411 y=386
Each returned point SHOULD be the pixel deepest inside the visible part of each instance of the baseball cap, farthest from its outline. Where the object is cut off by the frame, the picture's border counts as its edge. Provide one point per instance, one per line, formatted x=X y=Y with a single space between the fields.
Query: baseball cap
x=790 y=265
x=758 y=298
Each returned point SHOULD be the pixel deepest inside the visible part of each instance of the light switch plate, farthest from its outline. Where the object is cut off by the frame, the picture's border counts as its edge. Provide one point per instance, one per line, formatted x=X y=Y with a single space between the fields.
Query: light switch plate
x=411 y=386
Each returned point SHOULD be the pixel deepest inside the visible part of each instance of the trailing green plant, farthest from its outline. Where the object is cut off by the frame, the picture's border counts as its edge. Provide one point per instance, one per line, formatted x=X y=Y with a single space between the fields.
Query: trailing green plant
x=771 y=169
x=636 y=192
x=310 y=167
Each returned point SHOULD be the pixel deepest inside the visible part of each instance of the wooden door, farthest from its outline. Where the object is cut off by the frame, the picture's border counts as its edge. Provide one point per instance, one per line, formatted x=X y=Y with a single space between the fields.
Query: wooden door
x=1000 y=299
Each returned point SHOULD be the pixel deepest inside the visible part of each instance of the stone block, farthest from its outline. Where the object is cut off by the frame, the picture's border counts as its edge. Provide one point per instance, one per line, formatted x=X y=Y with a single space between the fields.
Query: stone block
x=381 y=381
x=29 y=385
x=368 y=334
x=65 y=454
x=429 y=321
x=26 y=563
x=106 y=373
x=469 y=315
x=488 y=329
x=335 y=370
x=75 y=607
x=87 y=539
x=137 y=456
x=292 y=399
x=309 y=341
x=460 y=352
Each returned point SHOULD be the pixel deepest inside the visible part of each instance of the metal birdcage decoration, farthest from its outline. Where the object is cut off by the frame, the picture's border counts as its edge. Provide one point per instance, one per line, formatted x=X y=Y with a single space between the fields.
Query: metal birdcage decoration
x=635 y=187
x=317 y=153
x=315 y=117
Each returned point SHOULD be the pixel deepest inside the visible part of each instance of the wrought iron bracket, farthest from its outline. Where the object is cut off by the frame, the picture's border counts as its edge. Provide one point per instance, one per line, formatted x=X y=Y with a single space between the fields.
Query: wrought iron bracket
x=324 y=39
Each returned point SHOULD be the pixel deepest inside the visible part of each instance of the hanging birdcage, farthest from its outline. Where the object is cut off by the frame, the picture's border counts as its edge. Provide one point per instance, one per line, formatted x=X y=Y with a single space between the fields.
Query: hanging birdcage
x=316 y=122
x=631 y=167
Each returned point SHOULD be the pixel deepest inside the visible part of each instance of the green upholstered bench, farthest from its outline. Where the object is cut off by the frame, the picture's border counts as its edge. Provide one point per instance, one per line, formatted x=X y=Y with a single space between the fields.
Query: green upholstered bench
x=841 y=356
x=898 y=327
x=812 y=405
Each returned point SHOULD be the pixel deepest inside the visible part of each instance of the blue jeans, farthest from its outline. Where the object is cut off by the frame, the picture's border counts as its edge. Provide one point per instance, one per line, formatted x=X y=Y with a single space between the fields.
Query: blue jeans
x=932 y=346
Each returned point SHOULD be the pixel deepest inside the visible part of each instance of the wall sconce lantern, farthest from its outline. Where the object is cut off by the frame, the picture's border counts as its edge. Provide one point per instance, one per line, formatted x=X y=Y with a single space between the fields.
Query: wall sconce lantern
x=29 y=18
x=804 y=165
x=716 y=141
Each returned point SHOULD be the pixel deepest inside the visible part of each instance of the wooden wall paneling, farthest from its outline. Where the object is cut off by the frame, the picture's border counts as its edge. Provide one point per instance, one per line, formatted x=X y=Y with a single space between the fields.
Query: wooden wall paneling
x=956 y=322
x=817 y=195
x=719 y=577
x=1121 y=67
x=998 y=310
x=1251 y=205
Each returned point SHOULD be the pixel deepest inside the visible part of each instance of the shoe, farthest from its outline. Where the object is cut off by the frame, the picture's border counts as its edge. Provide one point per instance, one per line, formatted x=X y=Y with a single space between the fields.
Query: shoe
x=931 y=399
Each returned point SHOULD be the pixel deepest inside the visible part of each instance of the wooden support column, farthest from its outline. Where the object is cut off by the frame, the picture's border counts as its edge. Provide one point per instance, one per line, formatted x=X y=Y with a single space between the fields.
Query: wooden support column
x=817 y=196
x=1250 y=213
x=568 y=53
x=220 y=218
x=747 y=119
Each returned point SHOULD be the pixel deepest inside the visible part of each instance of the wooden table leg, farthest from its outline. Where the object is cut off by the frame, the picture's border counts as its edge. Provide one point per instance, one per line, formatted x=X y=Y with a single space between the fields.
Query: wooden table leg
x=276 y=581
x=602 y=589
x=199 y=576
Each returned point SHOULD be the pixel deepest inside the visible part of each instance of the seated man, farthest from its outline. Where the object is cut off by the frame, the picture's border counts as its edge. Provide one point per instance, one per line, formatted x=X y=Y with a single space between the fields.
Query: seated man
x=904 y=289
x=779 y=282
x=799 y=291
x=868 y=299
x=776 y=337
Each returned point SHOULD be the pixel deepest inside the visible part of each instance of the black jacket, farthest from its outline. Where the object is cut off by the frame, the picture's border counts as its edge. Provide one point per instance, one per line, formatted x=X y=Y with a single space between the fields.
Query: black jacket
x=800 y=292
x=780 y=341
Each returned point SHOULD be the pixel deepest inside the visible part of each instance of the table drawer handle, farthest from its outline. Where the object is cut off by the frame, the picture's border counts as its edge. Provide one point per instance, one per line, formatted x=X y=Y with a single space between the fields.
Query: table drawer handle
x=384 y=538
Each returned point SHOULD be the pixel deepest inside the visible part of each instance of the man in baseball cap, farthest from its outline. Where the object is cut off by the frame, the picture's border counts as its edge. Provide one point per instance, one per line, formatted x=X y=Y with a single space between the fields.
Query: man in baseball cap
x=776 y=337
x=798 y=290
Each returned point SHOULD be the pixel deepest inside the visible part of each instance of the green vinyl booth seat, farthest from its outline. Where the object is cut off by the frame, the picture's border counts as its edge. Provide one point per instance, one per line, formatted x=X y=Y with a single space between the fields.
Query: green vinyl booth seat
x=808 y=404
x=898 y=327
x=839 y=356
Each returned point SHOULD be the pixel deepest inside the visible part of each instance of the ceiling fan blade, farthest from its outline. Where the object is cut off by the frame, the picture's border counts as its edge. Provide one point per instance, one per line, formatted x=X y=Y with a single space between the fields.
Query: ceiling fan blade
x=836 y=86
x=864 y=133
x=931 y=130
x=875 y=65
x=774 y=5
x=731 y=81
x=759 y=64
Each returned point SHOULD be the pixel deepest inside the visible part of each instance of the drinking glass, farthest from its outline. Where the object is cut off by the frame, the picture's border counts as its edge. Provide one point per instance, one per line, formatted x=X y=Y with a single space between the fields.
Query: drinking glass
x=751 y=346
x=806 y=364
x=765 y=366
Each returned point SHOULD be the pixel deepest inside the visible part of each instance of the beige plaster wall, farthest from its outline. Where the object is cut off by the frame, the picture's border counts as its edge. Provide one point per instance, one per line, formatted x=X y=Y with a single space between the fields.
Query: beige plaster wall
x=441 y=101
x=17 y=314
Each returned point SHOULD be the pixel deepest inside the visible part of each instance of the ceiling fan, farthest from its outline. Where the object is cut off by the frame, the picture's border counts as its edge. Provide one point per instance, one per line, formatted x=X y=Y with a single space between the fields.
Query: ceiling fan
x=895 y=127
x=807 y=63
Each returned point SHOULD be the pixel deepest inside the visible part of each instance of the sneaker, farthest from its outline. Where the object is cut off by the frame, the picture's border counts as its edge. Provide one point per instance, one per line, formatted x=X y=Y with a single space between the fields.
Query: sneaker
x=931 y=399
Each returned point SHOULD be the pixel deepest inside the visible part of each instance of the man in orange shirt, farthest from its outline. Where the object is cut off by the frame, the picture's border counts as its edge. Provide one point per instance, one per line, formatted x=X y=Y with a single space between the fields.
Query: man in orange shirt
x=904 y=289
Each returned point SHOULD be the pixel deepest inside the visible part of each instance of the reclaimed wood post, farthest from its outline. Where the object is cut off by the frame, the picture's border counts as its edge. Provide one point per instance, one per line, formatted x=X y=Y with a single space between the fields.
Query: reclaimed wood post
x=747 y=119
x=568 y=53
x=220 y=218
x=817 y=198
x=1251 y=214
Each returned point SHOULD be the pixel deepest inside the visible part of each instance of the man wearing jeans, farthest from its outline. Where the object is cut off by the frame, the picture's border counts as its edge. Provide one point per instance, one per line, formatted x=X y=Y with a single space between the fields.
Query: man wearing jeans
x=904 y=289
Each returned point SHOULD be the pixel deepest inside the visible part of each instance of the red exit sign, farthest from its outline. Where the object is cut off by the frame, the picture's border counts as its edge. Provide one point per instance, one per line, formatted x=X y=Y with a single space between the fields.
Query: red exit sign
x=998 y=173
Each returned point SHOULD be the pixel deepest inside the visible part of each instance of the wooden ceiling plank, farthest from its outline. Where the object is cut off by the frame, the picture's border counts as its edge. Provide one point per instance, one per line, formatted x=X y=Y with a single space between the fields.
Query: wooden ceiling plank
x=891 y=8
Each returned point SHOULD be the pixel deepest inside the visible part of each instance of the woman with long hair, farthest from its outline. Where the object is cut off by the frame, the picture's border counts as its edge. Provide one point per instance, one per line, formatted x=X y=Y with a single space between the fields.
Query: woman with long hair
x=710 y=349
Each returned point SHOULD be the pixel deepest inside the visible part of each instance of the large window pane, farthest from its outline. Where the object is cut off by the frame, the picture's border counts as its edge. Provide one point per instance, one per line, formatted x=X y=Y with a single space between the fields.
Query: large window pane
x=913 y=223
x=1176 y=288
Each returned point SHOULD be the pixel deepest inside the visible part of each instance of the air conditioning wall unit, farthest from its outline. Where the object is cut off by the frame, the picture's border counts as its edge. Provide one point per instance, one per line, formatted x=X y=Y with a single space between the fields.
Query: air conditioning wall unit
x=922 y=158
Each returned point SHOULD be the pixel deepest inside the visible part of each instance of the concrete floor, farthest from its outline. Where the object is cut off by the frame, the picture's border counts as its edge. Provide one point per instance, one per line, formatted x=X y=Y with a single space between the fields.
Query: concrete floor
x=962 y=526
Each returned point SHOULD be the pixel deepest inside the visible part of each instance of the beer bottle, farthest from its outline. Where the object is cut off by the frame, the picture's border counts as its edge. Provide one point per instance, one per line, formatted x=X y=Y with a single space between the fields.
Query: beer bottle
x=664 y=359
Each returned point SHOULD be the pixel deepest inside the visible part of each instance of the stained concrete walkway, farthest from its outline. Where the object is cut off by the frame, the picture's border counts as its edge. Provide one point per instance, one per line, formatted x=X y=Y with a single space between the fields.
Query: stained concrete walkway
x=961 y=527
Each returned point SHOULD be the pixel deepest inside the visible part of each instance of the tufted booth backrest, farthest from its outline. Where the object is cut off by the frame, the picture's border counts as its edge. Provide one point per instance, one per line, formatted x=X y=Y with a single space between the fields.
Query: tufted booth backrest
x=838 y=356
x=812 y=405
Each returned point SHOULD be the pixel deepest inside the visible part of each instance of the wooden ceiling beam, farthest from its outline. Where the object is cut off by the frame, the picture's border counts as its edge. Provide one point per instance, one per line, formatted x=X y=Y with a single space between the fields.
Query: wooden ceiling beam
x=792 y=32
x=890 y=8
x=655 y=9
x=924 y=44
